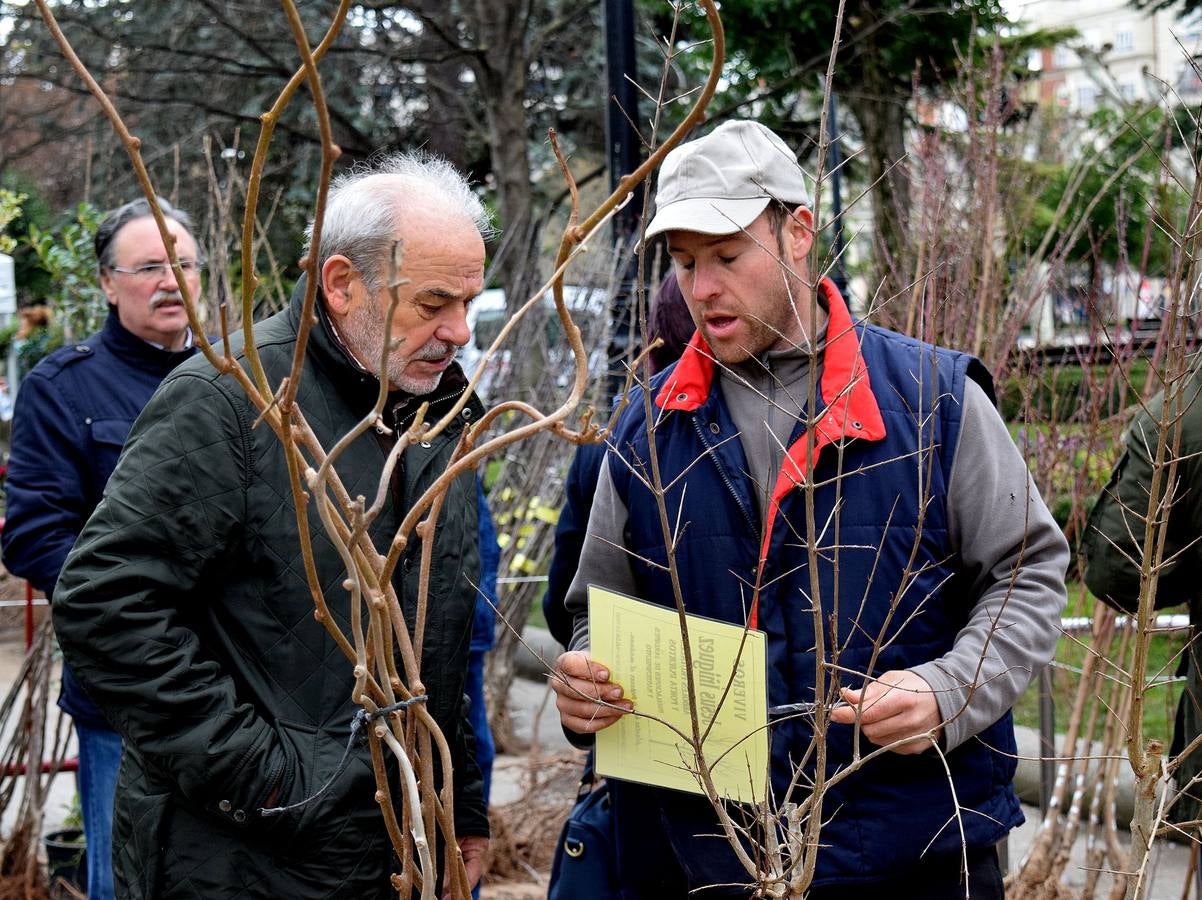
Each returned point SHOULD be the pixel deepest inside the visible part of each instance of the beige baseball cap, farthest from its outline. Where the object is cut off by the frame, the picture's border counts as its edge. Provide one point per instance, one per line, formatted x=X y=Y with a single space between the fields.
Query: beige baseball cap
x=720 y=183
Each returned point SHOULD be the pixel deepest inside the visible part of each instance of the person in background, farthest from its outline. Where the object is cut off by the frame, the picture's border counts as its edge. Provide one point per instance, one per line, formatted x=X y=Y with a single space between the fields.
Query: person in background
x=1113 y=549
x=71 y=417
x=185 y=608
x=670 y=322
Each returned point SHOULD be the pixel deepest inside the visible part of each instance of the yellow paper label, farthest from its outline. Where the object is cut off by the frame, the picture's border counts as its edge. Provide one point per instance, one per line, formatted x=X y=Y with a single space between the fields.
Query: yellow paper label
x=641 y=645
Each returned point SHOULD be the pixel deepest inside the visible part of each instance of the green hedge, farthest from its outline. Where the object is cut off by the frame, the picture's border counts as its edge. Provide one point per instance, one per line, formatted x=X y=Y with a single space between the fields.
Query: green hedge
x=1058 y=392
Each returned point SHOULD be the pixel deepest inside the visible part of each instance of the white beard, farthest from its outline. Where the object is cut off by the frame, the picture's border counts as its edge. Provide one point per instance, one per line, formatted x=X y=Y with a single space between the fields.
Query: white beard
x=363 y=332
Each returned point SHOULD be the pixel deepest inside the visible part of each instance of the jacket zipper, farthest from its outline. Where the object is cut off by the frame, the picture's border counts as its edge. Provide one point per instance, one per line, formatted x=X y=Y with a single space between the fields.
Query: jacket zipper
x=722 y=472
x=400 y=424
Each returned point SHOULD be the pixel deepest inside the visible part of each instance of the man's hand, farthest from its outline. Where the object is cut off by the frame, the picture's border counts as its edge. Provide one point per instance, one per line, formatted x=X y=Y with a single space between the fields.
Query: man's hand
x=474 y=849
x=579 y=683
x=895 y=706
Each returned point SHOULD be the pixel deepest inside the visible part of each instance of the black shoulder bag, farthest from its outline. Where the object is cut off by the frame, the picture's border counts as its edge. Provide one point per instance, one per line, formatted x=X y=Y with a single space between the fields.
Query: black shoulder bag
x=586 y=862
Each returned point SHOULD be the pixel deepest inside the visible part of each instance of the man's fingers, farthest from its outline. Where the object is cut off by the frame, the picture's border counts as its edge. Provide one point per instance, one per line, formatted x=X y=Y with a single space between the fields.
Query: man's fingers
x=582 y=696
x=589 y=724
x=474 y=849
x=897 y=706
x=883 y=736
x=585 y=717
x=874 y=703
x=586 y=699
x=579 y=664
x=584 y=688
x=866 y=703
x=573 y=693
x=846 y=715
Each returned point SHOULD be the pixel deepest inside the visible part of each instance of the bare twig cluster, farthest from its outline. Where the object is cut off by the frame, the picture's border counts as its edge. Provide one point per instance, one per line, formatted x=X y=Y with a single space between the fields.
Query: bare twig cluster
x=385 y=658
x=36 y=735
x=1107 y=730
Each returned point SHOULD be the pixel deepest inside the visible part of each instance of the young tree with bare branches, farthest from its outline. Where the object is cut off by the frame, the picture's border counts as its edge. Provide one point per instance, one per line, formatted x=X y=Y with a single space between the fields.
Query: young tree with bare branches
x=1142 y=553
x=246 y=487
x=855 y=495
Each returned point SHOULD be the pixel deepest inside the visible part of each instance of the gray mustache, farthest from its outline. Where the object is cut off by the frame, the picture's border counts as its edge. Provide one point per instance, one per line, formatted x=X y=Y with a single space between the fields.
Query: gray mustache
x=436 y=350
x=161 y=297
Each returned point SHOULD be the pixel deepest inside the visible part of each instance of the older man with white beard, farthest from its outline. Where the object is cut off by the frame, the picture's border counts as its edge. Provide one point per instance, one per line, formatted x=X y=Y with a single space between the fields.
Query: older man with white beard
x=185 y=609
x=72 y=415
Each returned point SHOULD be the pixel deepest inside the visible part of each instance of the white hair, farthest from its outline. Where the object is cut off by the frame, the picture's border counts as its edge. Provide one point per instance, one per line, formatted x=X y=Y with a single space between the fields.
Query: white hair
x=364 y=208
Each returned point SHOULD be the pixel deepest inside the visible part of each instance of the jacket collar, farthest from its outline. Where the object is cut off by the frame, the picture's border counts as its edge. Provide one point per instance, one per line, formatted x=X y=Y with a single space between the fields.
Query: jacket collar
x=846 y=391
x=137 y=352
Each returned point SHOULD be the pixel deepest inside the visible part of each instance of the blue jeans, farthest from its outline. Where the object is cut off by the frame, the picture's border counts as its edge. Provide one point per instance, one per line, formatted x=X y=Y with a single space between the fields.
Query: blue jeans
x=99 y=759
x=486 y=750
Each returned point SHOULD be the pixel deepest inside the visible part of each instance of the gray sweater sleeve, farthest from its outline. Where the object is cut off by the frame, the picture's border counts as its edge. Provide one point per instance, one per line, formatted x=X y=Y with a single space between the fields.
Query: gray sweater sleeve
x=1006 y=535
x=603 y=560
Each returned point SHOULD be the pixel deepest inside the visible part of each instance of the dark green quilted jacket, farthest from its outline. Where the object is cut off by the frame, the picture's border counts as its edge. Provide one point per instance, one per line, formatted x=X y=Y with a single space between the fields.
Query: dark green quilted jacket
x=1113 y=545
x=185 y=613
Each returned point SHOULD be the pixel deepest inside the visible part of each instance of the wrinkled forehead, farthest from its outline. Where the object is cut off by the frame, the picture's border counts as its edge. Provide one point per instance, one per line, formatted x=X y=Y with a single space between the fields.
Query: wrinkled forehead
x=139 y=239
x=442 y=236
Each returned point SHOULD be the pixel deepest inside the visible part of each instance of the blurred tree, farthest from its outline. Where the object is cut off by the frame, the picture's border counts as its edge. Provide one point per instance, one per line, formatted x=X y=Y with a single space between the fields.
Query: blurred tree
x=524 y=59
x=1104 y=203
x=10 y=211
x=67 y=254
x=888 y=48
x=477 y=82
x=181 y=73
x=1182 y=7
x=33 y=281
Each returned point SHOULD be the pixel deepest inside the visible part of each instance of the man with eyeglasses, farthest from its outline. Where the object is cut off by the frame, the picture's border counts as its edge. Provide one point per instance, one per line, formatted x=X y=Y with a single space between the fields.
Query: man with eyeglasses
x=73 y=413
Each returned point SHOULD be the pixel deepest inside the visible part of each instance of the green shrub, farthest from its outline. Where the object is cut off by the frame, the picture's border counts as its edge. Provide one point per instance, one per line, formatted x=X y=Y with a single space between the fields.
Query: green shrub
x=1057 y=393
x=66 y=253
x=10 y=210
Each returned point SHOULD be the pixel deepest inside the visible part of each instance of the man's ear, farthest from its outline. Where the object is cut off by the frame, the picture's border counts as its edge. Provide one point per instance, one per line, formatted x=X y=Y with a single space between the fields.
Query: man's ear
x=337 y=278
x=799 y=233
x=106 y=285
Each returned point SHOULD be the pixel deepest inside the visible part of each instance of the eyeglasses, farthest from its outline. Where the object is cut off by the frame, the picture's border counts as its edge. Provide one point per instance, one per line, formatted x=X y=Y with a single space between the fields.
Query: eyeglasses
x=159 y=270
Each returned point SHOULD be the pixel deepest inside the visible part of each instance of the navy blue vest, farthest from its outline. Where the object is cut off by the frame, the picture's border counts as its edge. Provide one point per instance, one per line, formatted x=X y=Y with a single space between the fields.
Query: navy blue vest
x=890 y=590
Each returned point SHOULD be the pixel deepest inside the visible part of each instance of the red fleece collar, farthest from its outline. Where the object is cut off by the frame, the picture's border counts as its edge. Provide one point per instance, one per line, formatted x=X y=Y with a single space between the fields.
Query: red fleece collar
x=851 y=407
x=689 y=384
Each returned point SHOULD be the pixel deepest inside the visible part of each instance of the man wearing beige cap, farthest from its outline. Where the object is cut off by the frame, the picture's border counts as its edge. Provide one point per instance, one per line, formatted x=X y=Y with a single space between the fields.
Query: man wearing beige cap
x=916 y=588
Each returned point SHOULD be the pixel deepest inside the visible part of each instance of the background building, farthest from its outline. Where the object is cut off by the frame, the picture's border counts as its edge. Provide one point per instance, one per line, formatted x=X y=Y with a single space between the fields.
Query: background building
x=1122 y=55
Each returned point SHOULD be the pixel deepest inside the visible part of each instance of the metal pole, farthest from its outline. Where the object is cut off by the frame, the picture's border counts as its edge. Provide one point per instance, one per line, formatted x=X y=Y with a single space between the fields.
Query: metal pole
x=28 y=615
x=1047 y=740
x=621 y=108
x=834 y=166
x=622 y=146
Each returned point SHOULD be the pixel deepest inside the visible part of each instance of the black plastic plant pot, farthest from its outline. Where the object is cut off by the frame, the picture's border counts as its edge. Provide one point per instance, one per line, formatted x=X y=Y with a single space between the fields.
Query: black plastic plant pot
x=66 y=857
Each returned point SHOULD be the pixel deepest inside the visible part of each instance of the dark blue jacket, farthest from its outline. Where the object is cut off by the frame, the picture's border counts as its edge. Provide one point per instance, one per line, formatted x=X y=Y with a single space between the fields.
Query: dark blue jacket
x=484 y=625
x=580 y=486
x=72 y=415
x=885 y=442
